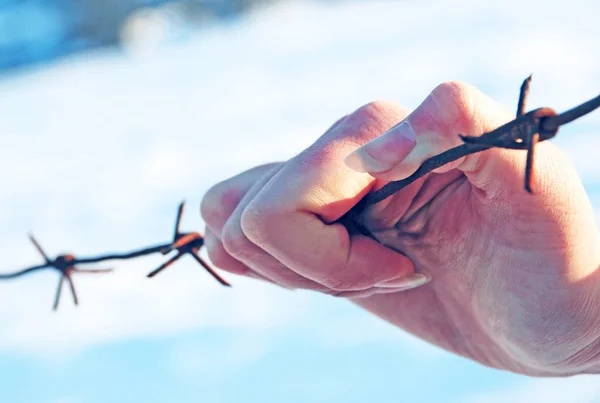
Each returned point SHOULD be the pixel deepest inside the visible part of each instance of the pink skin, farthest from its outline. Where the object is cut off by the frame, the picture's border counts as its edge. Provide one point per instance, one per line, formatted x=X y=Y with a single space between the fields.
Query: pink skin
x=514 y=277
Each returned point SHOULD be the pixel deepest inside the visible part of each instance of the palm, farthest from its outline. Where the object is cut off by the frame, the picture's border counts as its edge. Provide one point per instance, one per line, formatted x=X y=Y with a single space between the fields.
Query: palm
x=491 y=264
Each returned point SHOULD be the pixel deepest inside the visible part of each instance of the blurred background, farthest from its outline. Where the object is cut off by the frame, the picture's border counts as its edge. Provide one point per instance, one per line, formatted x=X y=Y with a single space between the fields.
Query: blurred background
x=113 y=111
x=37 y=31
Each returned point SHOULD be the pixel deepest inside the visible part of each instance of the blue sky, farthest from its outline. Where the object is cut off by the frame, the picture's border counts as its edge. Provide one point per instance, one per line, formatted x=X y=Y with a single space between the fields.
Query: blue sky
x=98 y=150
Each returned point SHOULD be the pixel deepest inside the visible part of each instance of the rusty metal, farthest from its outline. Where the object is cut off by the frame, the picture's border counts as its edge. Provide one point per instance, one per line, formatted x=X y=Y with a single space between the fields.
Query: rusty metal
x=67 y=264
x=522 y=133
x=186 y=243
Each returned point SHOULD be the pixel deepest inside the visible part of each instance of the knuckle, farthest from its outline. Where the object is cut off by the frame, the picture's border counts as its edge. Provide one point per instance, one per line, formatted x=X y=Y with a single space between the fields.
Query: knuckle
x=234 y=241
x=223 y=260
x=254 y=222
x=371 y=120
x=362 y=125
x=377 y=113
x=217 y=256
x=454 y=101
x=376 y=109
x=218 y=203
x=451 y=91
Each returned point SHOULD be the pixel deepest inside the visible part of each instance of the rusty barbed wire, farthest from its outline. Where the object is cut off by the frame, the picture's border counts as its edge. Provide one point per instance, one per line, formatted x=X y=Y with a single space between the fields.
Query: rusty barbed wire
x=66 y=264
x=522 y=133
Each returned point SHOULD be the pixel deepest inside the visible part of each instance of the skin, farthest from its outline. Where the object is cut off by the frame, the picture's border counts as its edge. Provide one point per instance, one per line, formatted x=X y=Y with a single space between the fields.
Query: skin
x=513 y=278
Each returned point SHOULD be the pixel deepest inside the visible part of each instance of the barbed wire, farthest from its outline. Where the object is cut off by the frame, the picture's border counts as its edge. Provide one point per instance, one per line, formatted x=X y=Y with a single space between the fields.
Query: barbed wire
x=188 y=243
x=522 y=133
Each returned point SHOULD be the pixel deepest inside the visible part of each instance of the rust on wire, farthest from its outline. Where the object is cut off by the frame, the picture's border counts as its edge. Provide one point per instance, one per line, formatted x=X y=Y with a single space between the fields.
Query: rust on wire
x=186 y=244
x=522 y=133
x=67 y=264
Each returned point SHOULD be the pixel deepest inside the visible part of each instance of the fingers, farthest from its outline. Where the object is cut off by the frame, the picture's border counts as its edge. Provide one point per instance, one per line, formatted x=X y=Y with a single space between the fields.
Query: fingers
x=223 y=260
x=220 y=200
x=291 y=205
x=288 y=217
x=220 y=257
x=451 y=109
x=243 y=250
x=217 y=206
x=230 y=250
x=234 y=252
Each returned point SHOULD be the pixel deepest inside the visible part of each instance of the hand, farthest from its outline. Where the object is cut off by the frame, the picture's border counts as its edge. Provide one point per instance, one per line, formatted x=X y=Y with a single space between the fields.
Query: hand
x=514 y=280
x=270 y=222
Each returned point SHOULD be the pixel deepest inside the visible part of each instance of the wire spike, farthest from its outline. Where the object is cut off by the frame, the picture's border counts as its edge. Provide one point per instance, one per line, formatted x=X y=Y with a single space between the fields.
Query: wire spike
x=210 y=270
x=165 y=265
x=73 y=292
x=523 y=95
x=38 y=247
x=58 y=292
x=178 y=220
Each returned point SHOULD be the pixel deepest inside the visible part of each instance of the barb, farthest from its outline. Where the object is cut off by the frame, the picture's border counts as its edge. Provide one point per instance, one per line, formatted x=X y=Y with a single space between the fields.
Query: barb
x=39 y=248
x=523 y=95
x=67 y=264
x=522 y=133
x=186 y=244
x=64 y=264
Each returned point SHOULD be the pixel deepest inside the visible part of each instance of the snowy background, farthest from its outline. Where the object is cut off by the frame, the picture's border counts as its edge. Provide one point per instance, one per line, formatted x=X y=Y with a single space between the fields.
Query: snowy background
x=97 y=150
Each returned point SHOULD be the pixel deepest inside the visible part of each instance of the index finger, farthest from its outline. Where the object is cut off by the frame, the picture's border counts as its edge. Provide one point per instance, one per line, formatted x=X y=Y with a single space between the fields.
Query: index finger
x=291 y=217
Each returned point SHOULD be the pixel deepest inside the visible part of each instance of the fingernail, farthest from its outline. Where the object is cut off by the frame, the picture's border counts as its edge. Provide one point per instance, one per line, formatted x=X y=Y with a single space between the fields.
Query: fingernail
x=383 y=152
x=406 y=283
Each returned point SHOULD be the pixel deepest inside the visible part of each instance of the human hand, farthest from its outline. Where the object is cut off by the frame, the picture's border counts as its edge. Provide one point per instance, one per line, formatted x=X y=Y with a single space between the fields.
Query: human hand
x=293 y=201
x=514 y=279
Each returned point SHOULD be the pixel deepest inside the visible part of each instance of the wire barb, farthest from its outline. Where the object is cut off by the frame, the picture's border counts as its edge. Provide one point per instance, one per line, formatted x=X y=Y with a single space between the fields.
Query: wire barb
x=523 y=95
x=188 y=243
x=39 y=248
x=66 y=265
x=522 y=133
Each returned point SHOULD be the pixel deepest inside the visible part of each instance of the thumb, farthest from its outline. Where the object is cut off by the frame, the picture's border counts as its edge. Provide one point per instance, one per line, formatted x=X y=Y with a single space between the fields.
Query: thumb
x=451 y=109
